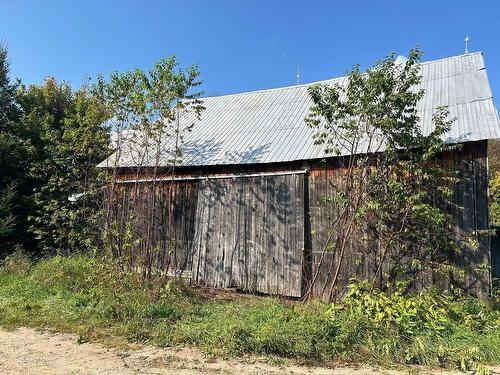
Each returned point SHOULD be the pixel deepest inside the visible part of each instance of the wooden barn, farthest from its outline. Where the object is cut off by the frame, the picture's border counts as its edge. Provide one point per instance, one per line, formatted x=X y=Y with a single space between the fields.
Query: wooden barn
x=243 y=208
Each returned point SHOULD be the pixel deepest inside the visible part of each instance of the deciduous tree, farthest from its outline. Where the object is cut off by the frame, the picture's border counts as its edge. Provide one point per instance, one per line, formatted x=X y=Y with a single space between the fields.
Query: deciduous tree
x=394 y=193
x=146 y=110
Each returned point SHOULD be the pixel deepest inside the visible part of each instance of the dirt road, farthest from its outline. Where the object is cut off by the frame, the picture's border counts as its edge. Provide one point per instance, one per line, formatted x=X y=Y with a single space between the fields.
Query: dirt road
x=26 y=351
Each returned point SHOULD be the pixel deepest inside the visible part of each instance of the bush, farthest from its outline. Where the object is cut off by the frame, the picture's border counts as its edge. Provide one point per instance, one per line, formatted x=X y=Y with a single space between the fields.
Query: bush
x=403 y=315
x=425 y=328
x=494 y=186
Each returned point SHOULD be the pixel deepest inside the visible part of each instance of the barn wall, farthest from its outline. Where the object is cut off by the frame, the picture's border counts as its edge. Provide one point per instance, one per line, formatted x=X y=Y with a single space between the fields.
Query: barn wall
x=322 y=216
x=471 y=194
x=244 y=232
x=266 y=234
x=157 y=224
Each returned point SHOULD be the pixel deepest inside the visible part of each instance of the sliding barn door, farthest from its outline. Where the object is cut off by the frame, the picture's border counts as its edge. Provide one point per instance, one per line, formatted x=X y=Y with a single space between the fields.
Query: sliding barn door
x=249 y=234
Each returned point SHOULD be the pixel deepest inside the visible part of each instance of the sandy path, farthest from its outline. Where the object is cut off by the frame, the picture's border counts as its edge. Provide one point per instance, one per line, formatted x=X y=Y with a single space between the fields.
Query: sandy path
x=26 y=351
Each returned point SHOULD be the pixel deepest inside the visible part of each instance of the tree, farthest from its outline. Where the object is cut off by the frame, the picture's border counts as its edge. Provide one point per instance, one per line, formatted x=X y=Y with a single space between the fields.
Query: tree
x=146 y=110
x=14 y=186
x=393 y=195
x=66 y=136
x=9 y=110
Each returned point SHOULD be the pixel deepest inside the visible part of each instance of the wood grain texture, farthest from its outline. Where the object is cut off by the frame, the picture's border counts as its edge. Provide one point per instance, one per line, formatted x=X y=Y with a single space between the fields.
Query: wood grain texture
x=266 y=234
x=252 y=235
x=472 y=218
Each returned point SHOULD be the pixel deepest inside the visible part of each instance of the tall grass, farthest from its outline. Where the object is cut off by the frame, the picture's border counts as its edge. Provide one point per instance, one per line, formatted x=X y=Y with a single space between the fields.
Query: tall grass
x=91 y=297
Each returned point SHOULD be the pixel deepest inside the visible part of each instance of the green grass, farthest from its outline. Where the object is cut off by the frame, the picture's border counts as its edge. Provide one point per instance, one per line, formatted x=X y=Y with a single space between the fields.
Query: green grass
x=90 y=297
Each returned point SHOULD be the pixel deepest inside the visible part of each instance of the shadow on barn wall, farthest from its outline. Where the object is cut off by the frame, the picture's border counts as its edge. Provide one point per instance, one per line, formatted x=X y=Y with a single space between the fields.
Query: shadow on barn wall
x=264 y=233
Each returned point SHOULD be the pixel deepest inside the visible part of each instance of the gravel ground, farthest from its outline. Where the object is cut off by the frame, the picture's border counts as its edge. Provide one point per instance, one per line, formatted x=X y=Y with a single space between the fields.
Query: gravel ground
x=27 y=351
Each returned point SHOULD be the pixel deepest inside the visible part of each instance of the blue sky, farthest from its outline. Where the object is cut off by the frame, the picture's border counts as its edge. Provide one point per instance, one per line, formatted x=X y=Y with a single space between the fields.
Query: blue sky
x=239 y=45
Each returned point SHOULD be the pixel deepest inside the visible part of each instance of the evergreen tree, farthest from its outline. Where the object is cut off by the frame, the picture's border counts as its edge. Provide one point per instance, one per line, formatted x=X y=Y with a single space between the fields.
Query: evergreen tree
x=14 y=187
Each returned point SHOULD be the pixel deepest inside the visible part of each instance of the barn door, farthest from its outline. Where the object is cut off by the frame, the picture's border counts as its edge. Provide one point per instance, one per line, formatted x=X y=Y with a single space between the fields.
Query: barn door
x=249 y=233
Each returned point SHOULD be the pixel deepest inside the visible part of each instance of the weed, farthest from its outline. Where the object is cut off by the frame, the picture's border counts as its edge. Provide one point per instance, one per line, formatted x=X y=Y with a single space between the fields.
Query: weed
x=94 y=299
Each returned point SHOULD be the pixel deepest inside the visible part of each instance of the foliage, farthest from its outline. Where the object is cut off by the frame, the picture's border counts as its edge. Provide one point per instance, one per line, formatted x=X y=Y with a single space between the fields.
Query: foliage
x=145 y=110
x=93 y=298
x=394 y=193
x=494 y=187
x=65 y=135
x=8 y=109
x=51 y=139
x=405 y=315
x=494 y=156
x=429 y=326
x=494 y=180
x=13 y=183
x=7 y=220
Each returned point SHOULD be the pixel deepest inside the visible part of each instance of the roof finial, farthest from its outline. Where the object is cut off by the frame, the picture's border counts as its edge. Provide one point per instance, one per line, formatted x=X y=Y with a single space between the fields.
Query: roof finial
x=467 y=43
x=298 y=74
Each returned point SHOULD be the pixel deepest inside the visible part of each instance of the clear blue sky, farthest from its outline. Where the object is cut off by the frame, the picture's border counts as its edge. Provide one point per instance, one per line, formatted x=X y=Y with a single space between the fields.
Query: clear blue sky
x=240 y=45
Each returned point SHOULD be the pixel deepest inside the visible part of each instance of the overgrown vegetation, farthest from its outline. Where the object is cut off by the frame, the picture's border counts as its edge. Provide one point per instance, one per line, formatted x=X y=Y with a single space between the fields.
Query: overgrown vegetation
x=145 y=110
x=89 y=296
x=494 y=180
x=51 y=139
x=393 y=193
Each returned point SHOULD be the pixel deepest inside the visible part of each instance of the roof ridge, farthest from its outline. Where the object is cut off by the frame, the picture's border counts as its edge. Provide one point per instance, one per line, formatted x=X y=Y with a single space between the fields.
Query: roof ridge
x=327 y=80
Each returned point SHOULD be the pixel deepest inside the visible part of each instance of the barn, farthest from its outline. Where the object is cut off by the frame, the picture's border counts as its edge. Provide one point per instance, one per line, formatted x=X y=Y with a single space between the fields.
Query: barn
x=243 y=206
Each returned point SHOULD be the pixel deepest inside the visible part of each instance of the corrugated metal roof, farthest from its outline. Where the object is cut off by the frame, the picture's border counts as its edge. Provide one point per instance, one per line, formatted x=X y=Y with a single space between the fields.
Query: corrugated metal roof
x=268 y=126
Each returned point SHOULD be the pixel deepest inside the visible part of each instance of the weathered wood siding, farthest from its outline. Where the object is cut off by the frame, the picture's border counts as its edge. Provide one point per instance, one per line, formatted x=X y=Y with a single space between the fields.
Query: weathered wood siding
x=233 y=232
x=163 y=233
x=471 y=194
x=322 y=216
x=266 y=234
x=250 y=234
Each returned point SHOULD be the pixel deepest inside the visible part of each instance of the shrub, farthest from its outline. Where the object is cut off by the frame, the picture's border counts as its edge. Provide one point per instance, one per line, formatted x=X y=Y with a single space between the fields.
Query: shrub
x=424 y=328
